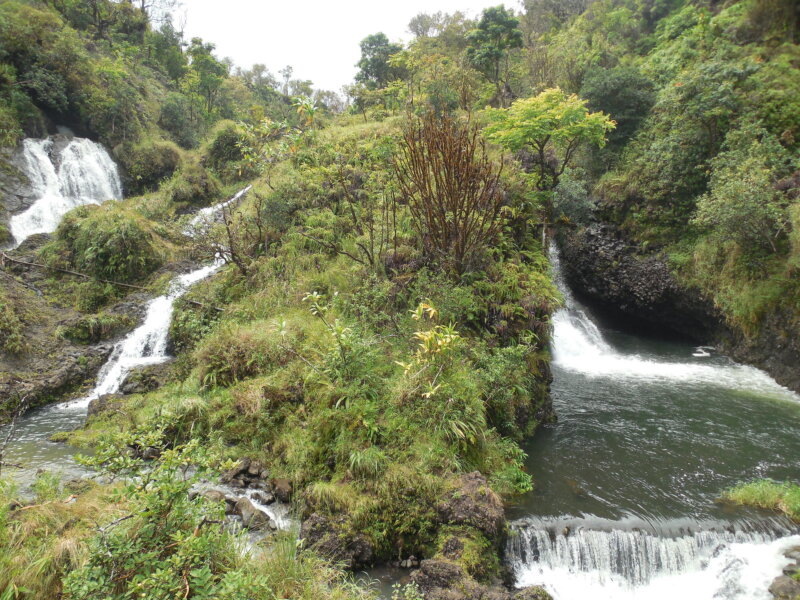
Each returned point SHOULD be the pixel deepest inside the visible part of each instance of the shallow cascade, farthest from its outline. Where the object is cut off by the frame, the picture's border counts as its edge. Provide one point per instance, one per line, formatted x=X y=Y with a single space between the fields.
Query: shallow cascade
x=649 y=434
x=145 y=345
x=63 y=173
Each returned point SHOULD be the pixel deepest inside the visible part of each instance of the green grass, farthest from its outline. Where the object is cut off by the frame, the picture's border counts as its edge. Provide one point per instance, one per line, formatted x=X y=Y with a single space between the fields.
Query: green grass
x=765 y=493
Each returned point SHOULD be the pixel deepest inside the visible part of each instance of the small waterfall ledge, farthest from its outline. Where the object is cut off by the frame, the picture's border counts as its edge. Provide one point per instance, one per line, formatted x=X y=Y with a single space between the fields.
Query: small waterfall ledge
x=632 y=564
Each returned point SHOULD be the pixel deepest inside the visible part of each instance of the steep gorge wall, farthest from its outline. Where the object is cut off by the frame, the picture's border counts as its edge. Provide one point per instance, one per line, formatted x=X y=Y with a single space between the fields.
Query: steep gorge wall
x=641 y=290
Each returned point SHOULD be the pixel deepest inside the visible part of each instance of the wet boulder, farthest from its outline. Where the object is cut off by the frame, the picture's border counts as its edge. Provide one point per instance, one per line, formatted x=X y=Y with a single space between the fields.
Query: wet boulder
x=104 y=404
x=282 y=488
x=146 y=379
x=252 y=518
x=474 y=504
x=785 y=588
x=332 y=538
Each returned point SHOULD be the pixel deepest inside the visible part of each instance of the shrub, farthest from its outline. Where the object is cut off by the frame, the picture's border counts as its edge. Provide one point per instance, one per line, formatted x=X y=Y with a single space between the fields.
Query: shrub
x=176 y=119
x=108 y=242
x=743 y=204
x=452 y=189
x=148 y=163
x=766 y=493
x=193 y=184
x=234 y=352
x=12 y=338
x=224 y=147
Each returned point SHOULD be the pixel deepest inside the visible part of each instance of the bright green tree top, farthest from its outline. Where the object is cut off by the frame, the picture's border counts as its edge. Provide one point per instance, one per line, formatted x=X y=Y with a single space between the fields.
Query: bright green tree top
x=553 y=125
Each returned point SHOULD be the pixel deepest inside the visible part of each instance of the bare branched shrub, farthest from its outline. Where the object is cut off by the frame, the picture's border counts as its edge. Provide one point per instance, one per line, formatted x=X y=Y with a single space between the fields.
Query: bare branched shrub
x=452 y=189
x=246 y=234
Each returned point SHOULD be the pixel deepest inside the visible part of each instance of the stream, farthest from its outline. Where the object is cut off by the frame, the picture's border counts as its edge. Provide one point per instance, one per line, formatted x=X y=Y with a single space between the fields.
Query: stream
x=649 y=433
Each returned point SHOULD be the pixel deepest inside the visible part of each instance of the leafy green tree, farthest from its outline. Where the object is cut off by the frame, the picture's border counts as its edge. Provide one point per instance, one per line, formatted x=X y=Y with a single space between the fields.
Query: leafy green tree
x=210 y=71
x=552 y=125
x=491 y=42
x=375 y=69
x=166 y=45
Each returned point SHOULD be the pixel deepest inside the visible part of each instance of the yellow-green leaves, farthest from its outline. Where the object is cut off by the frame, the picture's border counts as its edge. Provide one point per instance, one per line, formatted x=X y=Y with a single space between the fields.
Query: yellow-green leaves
x=552 y=117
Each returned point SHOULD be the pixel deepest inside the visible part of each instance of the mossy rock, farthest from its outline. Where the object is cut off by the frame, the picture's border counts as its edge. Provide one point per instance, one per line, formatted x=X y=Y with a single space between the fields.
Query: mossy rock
x=90 y=329
x=193 y=185
x=110 y=241
x=147 y=164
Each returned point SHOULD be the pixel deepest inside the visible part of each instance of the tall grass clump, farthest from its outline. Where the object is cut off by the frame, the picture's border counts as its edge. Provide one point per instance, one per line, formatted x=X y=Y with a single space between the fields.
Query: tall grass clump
x=765 y=493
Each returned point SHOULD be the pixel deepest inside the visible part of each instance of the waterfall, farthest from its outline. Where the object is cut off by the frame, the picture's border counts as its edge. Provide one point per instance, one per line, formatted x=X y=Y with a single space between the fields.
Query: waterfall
x=579 y=346
x=81 y=173
x=631 y=564
x=147 y=344
x=206 y=216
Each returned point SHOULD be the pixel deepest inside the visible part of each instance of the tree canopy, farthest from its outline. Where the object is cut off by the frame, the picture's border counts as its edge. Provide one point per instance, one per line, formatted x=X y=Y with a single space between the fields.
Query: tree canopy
x=375 y=69
x=553 y=125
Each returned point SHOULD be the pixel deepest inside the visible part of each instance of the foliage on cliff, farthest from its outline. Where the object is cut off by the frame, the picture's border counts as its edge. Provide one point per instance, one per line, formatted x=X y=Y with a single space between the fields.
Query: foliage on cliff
x=703 y=162
x=115 y=72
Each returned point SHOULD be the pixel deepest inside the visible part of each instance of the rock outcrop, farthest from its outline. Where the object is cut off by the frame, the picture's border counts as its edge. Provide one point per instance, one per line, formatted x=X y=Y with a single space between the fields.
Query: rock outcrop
x=445 y=580
x=787 y=585
x=600 y=264
x=331 y=537
x=474 y=504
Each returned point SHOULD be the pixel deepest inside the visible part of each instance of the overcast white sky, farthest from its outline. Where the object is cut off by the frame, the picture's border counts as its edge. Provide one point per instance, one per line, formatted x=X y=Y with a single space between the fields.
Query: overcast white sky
x=319 y=38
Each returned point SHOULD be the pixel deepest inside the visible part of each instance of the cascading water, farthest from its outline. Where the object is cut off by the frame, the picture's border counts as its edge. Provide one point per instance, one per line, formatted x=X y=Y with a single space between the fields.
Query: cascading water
x=649 y=434
x=636 y=565
x=579 y=346
x=82 y=173
x=146 y=345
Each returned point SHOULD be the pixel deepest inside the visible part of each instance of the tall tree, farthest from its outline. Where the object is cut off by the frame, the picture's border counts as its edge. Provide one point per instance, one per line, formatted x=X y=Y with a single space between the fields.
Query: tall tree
x=375 y=69
x=210 y=71
x=551 y=126
x=491 y=42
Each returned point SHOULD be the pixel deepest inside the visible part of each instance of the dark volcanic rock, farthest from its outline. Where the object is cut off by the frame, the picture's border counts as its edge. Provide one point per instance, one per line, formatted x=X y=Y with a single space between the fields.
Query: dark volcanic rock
x=444 y=580
x=474 y=504
x=146 y=379
x=105 y=403
x=599 y=264
x=330 y=537
x=252 y=518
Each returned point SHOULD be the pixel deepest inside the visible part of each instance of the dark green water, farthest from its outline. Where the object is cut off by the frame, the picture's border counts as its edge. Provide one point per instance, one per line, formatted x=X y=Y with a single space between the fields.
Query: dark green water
x=659 y=436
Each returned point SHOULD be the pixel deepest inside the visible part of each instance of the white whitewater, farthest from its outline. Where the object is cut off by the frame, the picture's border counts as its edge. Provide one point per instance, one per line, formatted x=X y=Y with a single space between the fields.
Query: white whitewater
x=206 y=216
x=82 y=174
x=578 y=345
x=147 y=344
x=634 y=565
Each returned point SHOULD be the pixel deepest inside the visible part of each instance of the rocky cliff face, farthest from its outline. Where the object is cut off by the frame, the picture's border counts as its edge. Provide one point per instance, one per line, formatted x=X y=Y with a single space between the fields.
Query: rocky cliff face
x=641 y=289
x=16 y=193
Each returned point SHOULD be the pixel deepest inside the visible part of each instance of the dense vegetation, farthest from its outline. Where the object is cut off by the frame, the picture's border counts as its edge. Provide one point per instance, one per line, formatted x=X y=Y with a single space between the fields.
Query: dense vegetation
x=386 y=298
